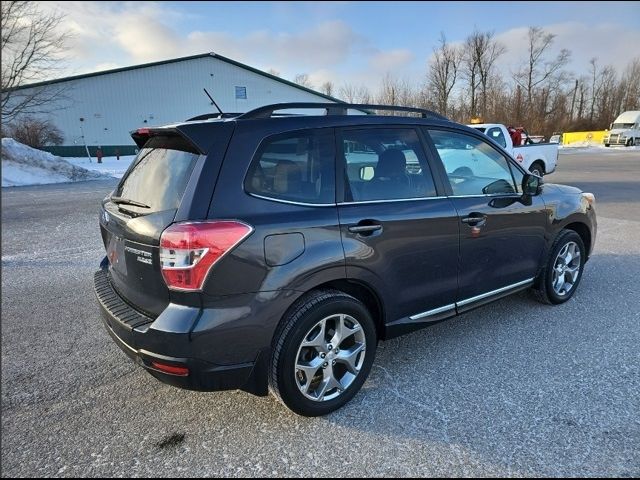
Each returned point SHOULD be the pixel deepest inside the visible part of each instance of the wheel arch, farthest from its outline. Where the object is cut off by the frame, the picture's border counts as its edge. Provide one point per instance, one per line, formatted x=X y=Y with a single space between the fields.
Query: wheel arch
x=357 y=289
x=540 y=162
x=583 y=230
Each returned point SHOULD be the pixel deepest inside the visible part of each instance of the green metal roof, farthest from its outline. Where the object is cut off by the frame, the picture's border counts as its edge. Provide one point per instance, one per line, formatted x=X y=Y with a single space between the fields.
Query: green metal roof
x=176 y=60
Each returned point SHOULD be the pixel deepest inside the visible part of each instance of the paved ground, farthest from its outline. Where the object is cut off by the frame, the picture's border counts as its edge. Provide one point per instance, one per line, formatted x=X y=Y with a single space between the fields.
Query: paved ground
x=515 y=388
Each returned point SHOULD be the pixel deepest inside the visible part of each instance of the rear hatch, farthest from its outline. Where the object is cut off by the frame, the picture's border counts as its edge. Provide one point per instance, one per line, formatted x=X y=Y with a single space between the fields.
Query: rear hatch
x=142 y=206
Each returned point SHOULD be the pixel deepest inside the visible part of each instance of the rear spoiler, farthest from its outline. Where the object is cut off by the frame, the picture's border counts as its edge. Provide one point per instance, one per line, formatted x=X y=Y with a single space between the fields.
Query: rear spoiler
x=141 y=135
x=197 y=135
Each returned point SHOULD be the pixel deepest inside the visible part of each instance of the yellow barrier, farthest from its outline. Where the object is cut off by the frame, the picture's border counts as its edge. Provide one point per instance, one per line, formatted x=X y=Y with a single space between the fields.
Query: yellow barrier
x=583 y=137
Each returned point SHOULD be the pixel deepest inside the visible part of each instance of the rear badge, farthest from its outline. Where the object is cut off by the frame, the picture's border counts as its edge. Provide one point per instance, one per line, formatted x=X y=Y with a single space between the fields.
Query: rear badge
x=141 y=255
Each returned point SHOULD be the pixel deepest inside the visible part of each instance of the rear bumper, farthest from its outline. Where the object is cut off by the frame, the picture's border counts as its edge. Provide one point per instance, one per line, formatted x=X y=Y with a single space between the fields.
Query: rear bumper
x=169 y=341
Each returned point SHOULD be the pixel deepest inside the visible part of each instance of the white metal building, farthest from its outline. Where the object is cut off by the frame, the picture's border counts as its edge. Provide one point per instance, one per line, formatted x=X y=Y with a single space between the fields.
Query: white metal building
x=102 y=108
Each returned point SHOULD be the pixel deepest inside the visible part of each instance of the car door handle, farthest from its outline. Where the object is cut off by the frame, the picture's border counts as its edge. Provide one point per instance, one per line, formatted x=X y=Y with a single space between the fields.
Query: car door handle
x=475 y=220
x=365 y=229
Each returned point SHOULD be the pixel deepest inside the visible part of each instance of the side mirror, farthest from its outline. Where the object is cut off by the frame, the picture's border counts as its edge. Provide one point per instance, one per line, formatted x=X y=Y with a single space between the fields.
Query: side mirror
x=531 y=185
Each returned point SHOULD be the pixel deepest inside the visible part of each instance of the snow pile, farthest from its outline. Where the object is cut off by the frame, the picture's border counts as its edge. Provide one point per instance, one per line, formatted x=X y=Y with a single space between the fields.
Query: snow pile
x=23 y=165
x=601 y=149
x=110 y=165
x=583 y=144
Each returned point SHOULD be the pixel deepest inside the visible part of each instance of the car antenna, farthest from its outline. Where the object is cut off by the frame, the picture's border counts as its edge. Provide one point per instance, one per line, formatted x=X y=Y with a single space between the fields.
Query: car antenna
x=213 y=102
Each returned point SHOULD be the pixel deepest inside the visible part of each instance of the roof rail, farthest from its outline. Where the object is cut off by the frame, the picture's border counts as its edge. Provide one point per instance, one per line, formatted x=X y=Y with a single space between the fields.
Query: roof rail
x=334 y=109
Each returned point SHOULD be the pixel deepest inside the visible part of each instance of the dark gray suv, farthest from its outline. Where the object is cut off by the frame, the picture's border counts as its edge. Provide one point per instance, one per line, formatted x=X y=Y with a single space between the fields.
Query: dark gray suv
x=271 y=252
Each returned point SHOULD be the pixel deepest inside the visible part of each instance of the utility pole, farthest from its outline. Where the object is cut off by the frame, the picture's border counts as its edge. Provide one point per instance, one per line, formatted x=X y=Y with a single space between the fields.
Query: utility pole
x=84 y=140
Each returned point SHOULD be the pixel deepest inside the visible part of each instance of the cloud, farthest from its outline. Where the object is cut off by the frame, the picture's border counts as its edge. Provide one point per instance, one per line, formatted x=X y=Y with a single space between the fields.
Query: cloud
x=391 y=60
x=127 y=33
x=327 y=44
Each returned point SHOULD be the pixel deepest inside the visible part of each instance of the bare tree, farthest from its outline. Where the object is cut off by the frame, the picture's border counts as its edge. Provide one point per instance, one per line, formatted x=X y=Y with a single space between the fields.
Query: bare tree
x=274 y=72
x=595 y=90
x=443 y=73
x=394 y=91
x=470 y=71
x=36 y=133
x=538 y=70
x=303 y=80
x=32 y=44
x=631 y=81
x=488 y=51
x=352 y=93
x=327 y=88
x=481 y=52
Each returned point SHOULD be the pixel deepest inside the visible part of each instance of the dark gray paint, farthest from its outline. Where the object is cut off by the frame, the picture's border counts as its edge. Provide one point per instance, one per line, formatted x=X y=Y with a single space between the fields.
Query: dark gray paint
x=422 y=257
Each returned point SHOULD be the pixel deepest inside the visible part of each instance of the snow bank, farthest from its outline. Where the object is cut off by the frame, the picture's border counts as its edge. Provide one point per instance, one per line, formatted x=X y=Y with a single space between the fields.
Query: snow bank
x=586 y=147
x=23 y=165
x=110 y=165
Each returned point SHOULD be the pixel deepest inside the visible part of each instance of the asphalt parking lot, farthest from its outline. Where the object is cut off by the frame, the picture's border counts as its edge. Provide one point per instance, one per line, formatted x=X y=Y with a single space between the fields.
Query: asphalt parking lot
x=512 y=389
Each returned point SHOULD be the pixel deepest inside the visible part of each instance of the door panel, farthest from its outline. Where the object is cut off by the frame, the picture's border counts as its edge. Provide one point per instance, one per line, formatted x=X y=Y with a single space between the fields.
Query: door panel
x=506 y=249
x=398 y=234
x=412 y=258
x=502 y=234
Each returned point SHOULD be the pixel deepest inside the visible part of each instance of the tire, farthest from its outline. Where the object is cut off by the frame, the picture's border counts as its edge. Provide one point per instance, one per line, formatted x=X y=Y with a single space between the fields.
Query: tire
x=302 y=323
x=537 y=169
x=546 y=287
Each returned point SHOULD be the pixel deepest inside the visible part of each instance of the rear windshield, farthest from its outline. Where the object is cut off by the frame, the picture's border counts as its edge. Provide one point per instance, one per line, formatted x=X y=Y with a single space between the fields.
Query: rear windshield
x=159 y=174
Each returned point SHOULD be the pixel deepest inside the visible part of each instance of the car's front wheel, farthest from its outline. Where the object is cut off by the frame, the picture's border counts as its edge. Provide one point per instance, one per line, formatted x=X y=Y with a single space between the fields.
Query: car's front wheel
x=562 y=271
x=322 y=353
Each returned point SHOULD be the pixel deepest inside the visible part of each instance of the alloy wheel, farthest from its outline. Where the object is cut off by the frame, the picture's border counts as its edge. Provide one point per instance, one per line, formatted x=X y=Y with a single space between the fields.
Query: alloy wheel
x=566 y=269
x=330 y=357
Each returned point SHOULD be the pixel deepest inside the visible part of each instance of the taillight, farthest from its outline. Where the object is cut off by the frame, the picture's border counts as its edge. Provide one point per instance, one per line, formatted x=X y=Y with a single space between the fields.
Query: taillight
x=188 y=250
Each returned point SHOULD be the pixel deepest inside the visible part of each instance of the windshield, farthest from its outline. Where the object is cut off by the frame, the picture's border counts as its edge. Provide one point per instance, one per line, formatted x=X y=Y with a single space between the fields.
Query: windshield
x=158 y=176
x=622 y=125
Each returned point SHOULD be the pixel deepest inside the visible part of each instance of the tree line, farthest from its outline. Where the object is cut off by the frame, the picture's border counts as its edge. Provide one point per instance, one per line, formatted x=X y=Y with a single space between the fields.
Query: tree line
x=462 y=82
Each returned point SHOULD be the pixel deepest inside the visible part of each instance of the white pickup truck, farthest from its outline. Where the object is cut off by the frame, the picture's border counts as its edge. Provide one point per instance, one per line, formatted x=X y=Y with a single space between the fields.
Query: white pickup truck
x=539 y=158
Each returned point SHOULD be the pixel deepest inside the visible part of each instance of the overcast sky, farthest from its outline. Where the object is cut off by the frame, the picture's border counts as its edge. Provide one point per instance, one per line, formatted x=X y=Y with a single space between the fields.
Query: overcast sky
x=356 y=42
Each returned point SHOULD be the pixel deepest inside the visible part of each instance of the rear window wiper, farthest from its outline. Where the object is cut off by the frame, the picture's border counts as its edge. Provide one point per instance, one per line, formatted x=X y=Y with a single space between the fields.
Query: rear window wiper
x=128 y=201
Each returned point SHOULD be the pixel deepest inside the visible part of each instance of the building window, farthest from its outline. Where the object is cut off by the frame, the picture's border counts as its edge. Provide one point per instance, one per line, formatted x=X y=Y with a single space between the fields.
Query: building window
x=241 y=93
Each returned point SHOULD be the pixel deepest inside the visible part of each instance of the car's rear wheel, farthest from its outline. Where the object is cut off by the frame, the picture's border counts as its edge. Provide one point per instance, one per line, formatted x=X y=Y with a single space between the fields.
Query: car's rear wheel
x=323 y=352
x=562 y=271
x=537 y=169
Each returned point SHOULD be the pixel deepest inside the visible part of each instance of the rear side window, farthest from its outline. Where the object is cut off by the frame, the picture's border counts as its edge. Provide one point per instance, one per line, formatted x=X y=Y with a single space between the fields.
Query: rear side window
x=297 y=167
x=385 y=164
x=496 y=134
x=158 y=176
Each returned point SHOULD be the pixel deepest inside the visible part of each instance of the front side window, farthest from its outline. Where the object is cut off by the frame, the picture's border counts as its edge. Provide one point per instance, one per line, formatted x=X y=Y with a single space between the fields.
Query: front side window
x=297 y=167
x=385 y=164
x=473 y=166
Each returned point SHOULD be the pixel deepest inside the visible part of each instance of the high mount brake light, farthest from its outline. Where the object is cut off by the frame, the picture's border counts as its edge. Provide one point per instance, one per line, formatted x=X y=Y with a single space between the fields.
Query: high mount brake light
x=188 y=250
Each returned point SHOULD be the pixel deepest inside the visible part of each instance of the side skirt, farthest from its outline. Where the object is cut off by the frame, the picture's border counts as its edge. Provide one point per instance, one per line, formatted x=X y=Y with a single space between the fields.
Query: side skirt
x=436 y=315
